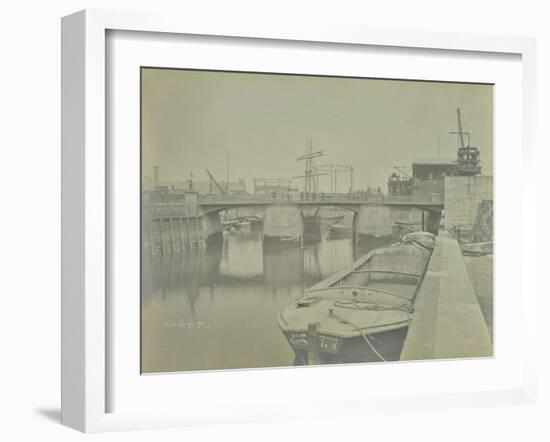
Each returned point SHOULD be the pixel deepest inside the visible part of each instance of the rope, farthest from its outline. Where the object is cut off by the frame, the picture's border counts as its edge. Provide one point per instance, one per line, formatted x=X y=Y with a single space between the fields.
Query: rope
x=367 y=340
x=367 y=305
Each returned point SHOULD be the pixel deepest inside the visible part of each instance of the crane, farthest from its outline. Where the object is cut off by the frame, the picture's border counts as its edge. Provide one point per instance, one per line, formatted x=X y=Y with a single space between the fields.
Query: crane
x=212 y=179
x=404 y=170
x=460 y=132
x=467 y=156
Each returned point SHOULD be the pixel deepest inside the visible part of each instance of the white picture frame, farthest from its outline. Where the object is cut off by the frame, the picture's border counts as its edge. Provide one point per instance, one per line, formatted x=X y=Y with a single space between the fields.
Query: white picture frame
x=85 y=201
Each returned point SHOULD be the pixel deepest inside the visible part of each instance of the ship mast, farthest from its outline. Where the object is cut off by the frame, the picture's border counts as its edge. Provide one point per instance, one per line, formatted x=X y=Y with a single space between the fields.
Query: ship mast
x=310 y=170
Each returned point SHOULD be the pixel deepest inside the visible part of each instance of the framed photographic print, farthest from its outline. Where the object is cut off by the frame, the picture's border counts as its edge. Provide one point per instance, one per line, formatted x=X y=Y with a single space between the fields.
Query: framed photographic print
x=251 y=215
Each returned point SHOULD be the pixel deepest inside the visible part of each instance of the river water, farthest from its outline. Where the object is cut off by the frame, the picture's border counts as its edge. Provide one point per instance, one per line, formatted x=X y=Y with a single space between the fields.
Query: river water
x=216 y=308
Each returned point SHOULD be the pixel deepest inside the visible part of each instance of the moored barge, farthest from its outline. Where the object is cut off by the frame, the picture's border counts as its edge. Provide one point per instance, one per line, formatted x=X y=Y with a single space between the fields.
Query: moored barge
x=360 y=314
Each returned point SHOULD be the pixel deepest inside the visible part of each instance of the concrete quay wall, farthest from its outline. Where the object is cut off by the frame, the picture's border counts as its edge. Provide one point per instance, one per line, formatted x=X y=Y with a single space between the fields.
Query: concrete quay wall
x=447 y=320
x=463 y=195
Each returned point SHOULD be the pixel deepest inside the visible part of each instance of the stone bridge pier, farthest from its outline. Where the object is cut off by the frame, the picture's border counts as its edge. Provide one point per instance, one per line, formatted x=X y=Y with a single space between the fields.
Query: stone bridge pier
x=168 y=227
x=299 y=222
x=294 y=222
x=212 y=228
x=433 y=220
x=283 y=223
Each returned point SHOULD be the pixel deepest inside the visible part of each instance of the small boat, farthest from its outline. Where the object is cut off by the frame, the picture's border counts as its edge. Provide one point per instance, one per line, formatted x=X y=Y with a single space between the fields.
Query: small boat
x=255 y=221
x=404 y=227
x=360 y=314
x=424 y=239
x=243 y=225
x=340 y=230
x=312 y=229
x=229 y=224
x=292 y=240
x=477 y=249
x=330 y=219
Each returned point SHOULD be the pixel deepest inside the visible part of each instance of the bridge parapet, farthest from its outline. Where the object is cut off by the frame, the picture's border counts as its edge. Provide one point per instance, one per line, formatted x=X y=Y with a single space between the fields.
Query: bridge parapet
x=217 y=203
x=175 y=225
x=285 y=198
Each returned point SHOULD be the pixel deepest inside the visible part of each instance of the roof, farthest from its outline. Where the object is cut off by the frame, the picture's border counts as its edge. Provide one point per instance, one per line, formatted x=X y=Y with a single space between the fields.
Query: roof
x=435 y=161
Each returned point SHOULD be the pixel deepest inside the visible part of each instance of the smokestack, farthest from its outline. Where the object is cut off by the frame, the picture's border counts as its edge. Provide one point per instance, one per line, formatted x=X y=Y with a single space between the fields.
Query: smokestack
x=155 y=177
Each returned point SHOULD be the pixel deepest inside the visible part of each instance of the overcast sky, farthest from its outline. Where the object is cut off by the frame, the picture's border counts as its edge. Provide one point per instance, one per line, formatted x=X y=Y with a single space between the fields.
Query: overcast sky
x=191 y=120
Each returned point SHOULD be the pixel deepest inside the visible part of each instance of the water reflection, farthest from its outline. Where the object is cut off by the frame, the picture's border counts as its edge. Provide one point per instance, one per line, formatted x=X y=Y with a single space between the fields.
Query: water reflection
x=216 y=308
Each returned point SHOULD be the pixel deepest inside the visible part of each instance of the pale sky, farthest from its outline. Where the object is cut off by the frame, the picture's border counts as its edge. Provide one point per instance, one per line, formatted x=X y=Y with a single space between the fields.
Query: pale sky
x=191 y=121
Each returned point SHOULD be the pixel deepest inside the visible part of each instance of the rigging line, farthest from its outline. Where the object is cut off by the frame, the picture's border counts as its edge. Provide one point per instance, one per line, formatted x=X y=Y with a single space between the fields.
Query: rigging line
x=367 y=340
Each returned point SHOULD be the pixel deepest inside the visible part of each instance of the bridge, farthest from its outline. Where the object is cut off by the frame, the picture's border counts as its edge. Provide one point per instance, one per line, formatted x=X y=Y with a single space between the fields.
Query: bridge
x=217 y=203
x=191 y=219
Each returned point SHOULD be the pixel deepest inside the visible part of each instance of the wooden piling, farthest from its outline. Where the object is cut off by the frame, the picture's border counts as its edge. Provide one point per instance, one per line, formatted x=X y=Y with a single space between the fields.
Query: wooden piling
x=182 y=240
x=172 y=237
x=162 y=248
x=313 y=343
x=355 y=234
x=189 y=242
x=197 y=233
x=151 y=238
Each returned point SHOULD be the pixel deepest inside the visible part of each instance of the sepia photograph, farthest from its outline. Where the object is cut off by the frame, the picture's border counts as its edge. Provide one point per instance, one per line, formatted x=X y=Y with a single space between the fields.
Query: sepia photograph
x=296 y=220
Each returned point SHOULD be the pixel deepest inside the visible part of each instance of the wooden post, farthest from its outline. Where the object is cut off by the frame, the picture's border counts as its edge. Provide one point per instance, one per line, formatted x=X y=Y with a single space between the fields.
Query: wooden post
x=197 y=233
x=189 y=242
x=172 y=237
x=355 y=233
x=151 y=238
x=182 y=240
x=162 y=251
x=423 y=224
x=313 y=343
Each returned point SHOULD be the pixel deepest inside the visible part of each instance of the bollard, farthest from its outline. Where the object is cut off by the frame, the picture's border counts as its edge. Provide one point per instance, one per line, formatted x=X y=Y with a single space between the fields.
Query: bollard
x=313 y=343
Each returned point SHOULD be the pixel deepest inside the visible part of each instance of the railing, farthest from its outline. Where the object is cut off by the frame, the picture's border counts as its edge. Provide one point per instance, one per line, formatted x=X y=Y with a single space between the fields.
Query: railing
x=314 y=198
x=179 y=208
x=292 y=198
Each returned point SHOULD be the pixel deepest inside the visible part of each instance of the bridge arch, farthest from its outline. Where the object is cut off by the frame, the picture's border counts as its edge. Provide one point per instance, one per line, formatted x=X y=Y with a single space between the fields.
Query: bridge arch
x=318 y=220
x=369 y=216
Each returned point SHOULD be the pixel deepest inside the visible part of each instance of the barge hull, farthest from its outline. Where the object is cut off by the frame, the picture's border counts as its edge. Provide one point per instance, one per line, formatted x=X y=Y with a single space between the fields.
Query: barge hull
x=356 y=350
